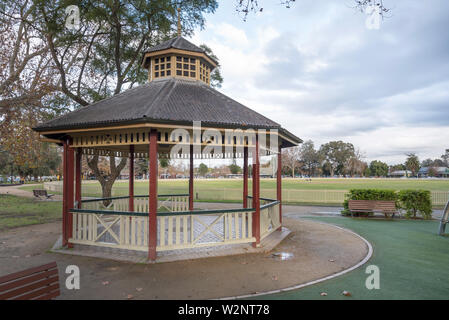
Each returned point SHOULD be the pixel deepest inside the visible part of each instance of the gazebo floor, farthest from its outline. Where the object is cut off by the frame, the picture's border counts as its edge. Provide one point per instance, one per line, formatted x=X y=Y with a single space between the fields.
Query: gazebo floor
x=267 y=244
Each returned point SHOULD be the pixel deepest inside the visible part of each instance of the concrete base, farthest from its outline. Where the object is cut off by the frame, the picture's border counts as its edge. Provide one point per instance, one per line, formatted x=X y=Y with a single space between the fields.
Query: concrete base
x=266 y=245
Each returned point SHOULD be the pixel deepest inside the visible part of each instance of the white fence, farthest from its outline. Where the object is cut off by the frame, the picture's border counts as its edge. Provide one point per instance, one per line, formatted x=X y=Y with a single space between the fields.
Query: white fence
x=439 y=198
x=173 y=231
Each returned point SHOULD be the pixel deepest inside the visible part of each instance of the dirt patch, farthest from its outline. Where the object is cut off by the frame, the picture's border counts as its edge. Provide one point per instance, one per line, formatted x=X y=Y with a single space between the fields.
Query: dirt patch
x=314 y=250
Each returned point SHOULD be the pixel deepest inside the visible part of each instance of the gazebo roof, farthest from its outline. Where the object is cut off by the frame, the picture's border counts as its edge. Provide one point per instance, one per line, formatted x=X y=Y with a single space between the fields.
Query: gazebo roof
x=176 y=43
x=168 y=100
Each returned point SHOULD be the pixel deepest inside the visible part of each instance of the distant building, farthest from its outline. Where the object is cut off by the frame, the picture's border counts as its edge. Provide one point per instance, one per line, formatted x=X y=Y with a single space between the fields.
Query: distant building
x=400 y=173
x=440 y=172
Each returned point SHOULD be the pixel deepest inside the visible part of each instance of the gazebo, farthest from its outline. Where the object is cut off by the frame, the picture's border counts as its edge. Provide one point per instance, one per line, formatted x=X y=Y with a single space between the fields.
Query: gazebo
x=178 y=115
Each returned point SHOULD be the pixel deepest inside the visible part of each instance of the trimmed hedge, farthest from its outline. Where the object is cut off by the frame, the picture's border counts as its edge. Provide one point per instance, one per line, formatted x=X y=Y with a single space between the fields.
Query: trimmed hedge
x=412 y=201
x=416 y=201
x=369 y=194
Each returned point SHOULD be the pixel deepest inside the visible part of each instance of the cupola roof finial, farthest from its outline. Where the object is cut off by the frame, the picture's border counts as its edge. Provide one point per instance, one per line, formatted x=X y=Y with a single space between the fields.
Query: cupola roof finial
x=179 y=21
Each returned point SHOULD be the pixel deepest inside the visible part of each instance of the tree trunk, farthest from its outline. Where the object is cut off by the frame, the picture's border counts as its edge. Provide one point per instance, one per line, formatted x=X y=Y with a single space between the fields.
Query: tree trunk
x=106 y=189
x=108 y=182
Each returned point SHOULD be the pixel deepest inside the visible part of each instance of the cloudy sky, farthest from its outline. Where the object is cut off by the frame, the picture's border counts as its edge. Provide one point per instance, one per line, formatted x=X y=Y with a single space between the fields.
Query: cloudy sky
x=322 y=74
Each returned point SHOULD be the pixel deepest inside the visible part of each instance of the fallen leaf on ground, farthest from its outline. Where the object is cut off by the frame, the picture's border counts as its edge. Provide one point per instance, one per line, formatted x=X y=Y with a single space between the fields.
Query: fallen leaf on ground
x=105 y=283
x=346 y=293
x=331 y=260
x=139 y=289
x=323 y=294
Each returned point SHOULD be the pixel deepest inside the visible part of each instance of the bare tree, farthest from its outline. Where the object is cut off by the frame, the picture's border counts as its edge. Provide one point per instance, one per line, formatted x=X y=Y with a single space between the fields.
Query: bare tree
x=290 y=158
x=246 y=7
x=355 y=164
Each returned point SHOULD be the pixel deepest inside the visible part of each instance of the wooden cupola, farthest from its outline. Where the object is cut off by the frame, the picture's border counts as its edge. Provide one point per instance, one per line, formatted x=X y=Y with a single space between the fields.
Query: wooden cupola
x=178 y=58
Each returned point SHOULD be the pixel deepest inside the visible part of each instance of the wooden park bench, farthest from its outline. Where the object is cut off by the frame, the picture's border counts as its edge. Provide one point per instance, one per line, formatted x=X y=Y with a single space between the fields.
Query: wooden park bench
x=42 y=193
x=386 y=207
x=38 y=283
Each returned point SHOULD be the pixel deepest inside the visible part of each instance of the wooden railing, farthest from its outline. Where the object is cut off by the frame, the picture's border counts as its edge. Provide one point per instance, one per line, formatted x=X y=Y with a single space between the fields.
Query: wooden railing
x=269 y=218
x=204 y=228
x=269 y=215
x=175 y=229
x=166 y=202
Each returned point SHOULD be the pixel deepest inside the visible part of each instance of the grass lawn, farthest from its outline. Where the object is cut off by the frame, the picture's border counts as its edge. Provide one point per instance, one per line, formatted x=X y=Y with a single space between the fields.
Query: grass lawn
x=19 y=211
x=299 y=191
x=413 y=262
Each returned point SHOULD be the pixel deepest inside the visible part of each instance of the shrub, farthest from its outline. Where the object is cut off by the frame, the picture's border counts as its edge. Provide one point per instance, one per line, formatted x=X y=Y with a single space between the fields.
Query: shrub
x=416 y=201
x=368 y=194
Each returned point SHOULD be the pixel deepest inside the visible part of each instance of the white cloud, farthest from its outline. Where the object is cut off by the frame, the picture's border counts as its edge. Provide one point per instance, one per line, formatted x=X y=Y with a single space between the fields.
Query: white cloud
x=322 y=75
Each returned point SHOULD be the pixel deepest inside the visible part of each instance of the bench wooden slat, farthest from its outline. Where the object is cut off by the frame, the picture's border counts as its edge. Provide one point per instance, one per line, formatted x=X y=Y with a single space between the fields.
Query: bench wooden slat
x=40 y=282
x=372 y=206
x=43 y=284
x=38 y=293
x=42 y=193
x=49 y=296
x=23 y=281
x=27 y=272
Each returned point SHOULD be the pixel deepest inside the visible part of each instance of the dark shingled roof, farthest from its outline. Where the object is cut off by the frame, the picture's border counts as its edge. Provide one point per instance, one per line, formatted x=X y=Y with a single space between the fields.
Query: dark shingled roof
x=168 y=100
x=176 y=43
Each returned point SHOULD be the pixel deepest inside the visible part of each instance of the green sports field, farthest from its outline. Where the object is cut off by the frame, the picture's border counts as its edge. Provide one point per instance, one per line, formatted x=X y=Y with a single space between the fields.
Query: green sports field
x=317 y=191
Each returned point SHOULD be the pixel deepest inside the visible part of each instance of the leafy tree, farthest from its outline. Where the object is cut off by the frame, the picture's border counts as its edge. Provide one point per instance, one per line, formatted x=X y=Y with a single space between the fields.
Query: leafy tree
x=397 y=167
x=378 y=169
x=432 y=163
x=234 y=168
x=202 y=169
x=102 y=57
x=367 y=172
x=412 y=163
x=23 y=152
x=335 y=155
x=416 y=201
x=309 y=157
x=216 y=78
x=445 y=158
x=141 y=166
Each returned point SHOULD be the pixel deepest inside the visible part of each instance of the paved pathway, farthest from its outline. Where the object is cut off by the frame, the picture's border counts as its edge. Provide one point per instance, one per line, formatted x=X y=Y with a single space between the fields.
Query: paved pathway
x=16 y=191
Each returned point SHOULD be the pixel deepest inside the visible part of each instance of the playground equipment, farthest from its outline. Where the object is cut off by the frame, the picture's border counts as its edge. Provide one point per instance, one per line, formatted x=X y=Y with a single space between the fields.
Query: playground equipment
x=444 y=219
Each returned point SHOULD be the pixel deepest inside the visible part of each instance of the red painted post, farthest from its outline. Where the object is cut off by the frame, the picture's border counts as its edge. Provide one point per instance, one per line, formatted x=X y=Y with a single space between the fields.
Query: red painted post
x=191 y=178
x=131 y=178
x=256 y=194
x=279 y=185
x=78 y=178
x=64 y=193
x=245 y=177
x=152 y=197
x=70 y=202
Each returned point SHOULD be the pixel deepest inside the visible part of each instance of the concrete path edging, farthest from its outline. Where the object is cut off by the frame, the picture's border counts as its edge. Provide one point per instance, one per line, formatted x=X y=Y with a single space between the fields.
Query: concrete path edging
x=299 y=286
